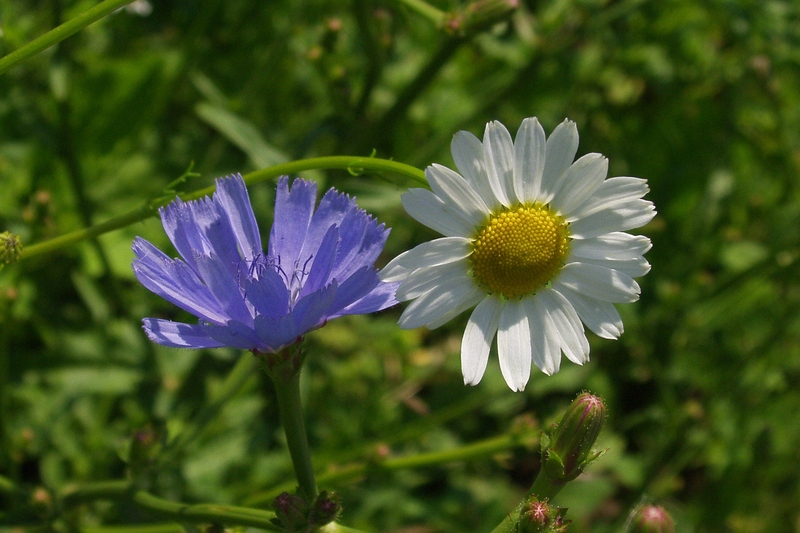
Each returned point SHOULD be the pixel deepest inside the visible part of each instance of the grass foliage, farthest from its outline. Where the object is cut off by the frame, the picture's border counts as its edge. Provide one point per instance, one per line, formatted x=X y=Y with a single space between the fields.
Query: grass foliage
x=700 y=98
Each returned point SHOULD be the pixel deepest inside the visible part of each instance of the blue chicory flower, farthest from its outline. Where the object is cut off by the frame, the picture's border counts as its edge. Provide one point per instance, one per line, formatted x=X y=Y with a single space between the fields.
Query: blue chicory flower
x=319 y=265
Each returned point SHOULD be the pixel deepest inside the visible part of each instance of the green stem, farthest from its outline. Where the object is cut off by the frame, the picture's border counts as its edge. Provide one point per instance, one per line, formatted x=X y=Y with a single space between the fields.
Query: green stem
x=543 y=488
x=60 y=33
x=353 y=164
x=484 y=448
x=205 y=512
x=428 y=11
x=170 y=527
x=287 y=387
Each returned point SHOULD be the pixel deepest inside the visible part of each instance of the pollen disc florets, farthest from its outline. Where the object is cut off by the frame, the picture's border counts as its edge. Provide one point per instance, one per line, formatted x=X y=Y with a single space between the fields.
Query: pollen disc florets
x=519 y=250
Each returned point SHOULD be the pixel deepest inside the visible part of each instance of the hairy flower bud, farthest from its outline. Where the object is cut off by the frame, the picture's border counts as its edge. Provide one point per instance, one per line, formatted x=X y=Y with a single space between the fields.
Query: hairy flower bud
x=539 y=517
x=10 y=247
x=572 y=439
x=652 y=519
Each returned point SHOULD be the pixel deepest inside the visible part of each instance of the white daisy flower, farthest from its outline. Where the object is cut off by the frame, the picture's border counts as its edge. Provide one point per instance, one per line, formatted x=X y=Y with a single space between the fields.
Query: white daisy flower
x=534 y=241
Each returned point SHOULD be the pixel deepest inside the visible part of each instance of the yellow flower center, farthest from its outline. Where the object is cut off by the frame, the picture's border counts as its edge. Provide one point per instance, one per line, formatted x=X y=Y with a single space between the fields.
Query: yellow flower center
x=519 y=250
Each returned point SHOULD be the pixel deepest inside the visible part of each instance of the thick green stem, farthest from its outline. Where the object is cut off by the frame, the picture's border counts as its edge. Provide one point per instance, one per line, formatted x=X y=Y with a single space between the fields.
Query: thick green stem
x=353 y=164
x=60 y=33
x=287 y=387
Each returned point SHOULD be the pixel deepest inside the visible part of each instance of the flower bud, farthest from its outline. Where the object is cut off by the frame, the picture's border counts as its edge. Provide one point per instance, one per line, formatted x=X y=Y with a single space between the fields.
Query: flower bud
x=325 y=509
x=571 y=441
x=291 y=512
x=478 y=15
x=538 y=517
x=10 y=247
x=652 y=519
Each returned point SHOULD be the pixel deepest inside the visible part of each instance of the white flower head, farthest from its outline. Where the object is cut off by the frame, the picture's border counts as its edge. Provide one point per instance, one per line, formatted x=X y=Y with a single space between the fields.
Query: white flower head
x=533 y=240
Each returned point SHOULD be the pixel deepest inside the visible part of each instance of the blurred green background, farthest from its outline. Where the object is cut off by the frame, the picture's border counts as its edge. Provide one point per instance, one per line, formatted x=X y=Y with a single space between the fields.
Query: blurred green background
x=702 y=98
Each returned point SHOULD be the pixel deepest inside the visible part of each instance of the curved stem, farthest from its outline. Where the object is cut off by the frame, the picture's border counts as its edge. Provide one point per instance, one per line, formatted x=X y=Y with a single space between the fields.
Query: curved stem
x=60 y=33
x=353 y=164
x=287 y=388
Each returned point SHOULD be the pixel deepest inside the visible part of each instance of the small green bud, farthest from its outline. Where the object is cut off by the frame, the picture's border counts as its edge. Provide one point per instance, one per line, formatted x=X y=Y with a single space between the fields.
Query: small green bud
x=146 y=444
x=291 y=512
x=294 y=514
x=325 y=509
x=572 y=439
x=652 y=519
x=478 y=15
x=10 y=247
x=539 y=517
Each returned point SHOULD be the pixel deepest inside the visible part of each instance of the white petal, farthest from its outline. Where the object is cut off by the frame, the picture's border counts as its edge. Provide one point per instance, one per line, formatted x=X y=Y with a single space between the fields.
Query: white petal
x=478 y=337
x=529 y=150
x=423 y=280
x=468 y=155
x=429 y=210
x=598 y=282
x=552 y=341
x=514 y=345
x=456 y=309
x=428 y=254
x=599 y=316
x=560 y=151
x=498 y=157
x=573 y=340
x=634 y=214
x=457 y=193
x=616 y=245
x=545 y=347
x=441 y=301
x=612 y=192
x=580 y=181
x=635 y=267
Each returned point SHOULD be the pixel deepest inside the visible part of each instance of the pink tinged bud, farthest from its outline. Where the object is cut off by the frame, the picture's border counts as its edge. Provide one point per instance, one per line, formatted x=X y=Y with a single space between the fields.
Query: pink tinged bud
x=652 y=519
x=539 y=517
x=572 y=439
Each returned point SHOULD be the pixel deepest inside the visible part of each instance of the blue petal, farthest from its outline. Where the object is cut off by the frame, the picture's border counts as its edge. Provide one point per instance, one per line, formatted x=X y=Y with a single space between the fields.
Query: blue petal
x=232 y=197
x=324 y=256
x=177 y=221
x=352 y=231
x=225 y=287
x=268 y=294
x=370 y=248
x=174 y=281
x=274 y=333
x=215 y=232
x=311 y=311
x=233 y=334
x=354 y=288
x=293 y=210
x=177 y=334
x=331 y=211
x=379 y=298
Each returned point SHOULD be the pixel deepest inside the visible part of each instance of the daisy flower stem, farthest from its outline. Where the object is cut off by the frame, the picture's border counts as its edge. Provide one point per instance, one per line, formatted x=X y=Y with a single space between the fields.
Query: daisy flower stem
x=287 y=388
x=354 y=165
